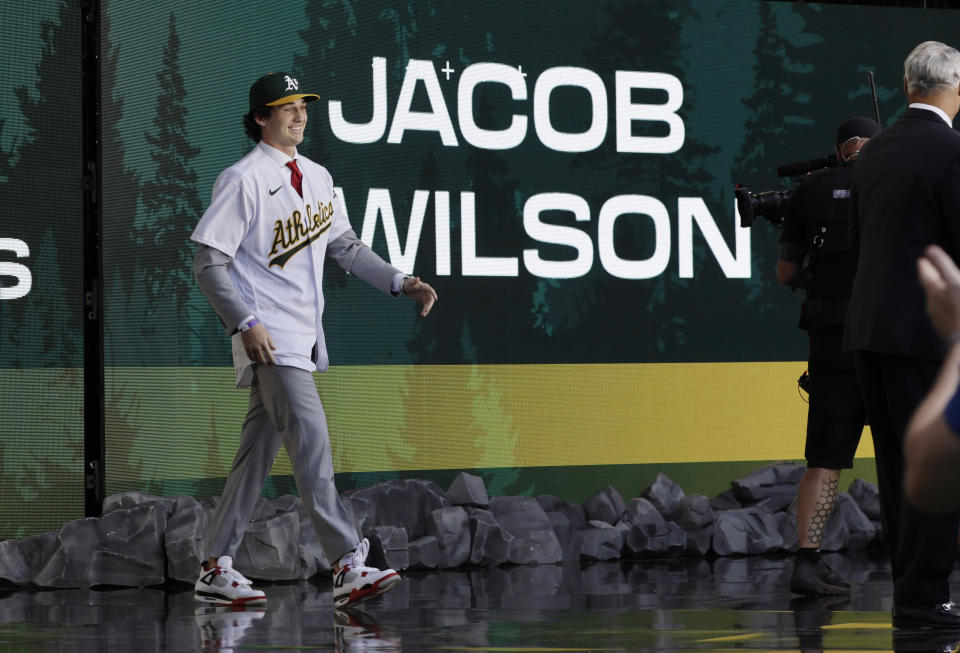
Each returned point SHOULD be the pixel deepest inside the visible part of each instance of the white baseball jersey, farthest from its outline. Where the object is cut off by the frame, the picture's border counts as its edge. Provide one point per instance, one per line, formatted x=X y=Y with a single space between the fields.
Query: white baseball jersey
x=278 y=241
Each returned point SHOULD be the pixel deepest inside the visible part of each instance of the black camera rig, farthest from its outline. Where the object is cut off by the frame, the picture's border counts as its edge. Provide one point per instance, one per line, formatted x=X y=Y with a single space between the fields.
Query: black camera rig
x=771 y=204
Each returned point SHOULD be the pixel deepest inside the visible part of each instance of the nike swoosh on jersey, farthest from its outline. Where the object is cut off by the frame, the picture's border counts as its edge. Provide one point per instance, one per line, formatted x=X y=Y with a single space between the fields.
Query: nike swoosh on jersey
x=276 y=190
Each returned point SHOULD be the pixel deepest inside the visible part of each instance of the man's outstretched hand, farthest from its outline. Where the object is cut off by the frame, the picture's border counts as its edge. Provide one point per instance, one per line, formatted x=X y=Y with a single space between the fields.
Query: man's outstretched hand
x=422 y=292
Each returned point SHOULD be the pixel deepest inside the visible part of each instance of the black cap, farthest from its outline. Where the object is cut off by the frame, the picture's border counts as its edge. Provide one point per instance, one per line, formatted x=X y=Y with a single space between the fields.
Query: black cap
x=274 y=89
x=862 y=127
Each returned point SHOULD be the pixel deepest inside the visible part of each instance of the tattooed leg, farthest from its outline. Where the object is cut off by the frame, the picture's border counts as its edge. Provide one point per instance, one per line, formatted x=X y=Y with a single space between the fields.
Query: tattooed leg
x=816 y=497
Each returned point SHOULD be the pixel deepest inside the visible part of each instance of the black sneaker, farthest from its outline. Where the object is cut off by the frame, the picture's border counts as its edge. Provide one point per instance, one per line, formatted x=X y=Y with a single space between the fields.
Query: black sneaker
x=811 y=614
x=816 y=579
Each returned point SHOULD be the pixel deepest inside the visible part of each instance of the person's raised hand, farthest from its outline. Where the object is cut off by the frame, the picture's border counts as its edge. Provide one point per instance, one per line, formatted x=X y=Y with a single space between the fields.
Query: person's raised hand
x=940 y=279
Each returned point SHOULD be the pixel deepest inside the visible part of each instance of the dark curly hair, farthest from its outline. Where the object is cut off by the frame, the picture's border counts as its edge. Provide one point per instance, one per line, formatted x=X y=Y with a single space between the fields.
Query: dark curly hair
x=250 y=125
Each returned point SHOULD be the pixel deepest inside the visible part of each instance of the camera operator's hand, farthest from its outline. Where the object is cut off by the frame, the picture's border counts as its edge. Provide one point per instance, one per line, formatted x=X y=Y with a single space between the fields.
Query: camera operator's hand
x=940 y=279
x=791 y=274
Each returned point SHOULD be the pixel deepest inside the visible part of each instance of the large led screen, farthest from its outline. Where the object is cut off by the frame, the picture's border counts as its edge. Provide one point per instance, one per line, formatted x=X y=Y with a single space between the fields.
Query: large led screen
x=41 y=268
x=562 y=173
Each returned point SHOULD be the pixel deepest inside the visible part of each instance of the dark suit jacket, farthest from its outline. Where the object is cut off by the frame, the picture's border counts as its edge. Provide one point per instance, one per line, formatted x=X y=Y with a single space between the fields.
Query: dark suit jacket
x=905 y=195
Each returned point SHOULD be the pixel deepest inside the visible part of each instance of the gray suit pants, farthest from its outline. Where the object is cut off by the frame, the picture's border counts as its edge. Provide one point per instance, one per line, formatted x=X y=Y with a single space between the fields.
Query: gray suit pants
x=284 y=409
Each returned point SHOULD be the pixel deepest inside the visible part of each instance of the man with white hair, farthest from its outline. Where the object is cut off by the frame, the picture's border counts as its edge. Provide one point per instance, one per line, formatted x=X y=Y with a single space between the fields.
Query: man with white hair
x=905 y=196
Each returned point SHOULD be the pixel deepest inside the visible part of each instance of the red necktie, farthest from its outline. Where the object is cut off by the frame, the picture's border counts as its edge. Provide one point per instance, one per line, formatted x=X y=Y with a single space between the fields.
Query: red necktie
x=296 y=177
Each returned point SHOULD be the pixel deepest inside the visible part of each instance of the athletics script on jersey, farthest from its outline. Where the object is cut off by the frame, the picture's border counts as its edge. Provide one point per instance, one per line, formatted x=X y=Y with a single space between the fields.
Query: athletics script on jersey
x=299 y=230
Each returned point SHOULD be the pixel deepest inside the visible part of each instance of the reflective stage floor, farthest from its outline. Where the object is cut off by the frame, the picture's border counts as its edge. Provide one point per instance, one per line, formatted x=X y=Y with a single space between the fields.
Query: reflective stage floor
x=725 y=604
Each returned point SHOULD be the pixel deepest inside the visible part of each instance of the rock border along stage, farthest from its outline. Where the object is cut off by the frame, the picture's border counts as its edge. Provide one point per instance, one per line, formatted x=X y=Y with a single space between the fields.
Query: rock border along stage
x=413 y=524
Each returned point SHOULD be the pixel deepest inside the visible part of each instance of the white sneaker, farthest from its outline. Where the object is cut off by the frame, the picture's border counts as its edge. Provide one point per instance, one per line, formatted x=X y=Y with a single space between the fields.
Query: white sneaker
x=224 y=585
x=356 y=582
x=355 y=630
x=223 y=627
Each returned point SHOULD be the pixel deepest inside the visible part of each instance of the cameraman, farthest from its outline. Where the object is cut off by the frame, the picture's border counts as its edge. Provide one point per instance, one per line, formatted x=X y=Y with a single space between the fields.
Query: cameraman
x=815 y=254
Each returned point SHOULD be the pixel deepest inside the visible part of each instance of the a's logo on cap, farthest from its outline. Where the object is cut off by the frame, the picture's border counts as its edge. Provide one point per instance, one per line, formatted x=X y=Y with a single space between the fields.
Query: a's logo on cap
x=292 y=84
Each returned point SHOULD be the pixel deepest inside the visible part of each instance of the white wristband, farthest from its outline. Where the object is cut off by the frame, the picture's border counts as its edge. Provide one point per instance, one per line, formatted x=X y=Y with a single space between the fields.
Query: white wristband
x=247 y=323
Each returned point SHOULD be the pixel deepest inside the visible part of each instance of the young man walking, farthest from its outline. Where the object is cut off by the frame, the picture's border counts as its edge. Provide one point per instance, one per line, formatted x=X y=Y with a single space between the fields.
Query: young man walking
x=262 y=242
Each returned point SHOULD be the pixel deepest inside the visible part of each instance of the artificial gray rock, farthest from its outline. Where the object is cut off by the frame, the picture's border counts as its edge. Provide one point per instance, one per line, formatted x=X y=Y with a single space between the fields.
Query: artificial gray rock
x=787 y=527
x=138 y=532
x=781 y=473
x=489 y=544
x=699 y=542
x=726 y=500
x=408 y=503
x=267 y=508
x=606 y=505
x=67 y=566
x=364 y=505
x=400 y=502
x=19 y=558
x=566 y=535
x=656 y=540
x=665 y=495
x=676 y=539
x=624 y=527
x=110 y=568
x=602 y=542
x=693 y=512
x=129 y=549
x=776 y=484
x=534 y=541
x=166 y=506
x=468 y=490
x=424 y=553
x=574 y=512
x=388 y=548
x=128 y=500
x=549 y=502
x=270 y=549
x=745 y=531
x=183 y=542
x=642 y=514
x=123 y=547
x=867 y=497
x=450 y=526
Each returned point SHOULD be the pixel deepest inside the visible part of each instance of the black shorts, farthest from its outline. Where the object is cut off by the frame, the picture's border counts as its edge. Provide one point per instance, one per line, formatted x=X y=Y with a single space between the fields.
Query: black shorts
x=836 y=414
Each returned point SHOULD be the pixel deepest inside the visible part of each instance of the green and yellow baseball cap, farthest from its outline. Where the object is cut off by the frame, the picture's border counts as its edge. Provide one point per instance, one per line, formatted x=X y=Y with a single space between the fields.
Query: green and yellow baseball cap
x=274 y=89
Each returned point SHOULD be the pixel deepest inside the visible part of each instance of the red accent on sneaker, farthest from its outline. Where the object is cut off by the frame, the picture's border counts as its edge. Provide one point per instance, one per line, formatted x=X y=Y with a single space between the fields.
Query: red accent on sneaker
x=368 y=592
x=240 y=602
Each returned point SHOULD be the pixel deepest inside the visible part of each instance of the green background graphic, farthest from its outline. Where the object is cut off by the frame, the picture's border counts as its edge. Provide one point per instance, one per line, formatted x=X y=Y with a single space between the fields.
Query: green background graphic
x=763 y=84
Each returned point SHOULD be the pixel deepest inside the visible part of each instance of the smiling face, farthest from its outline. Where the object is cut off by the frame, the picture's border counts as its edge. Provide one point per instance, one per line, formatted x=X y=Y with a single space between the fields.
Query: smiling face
x=284 y=127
